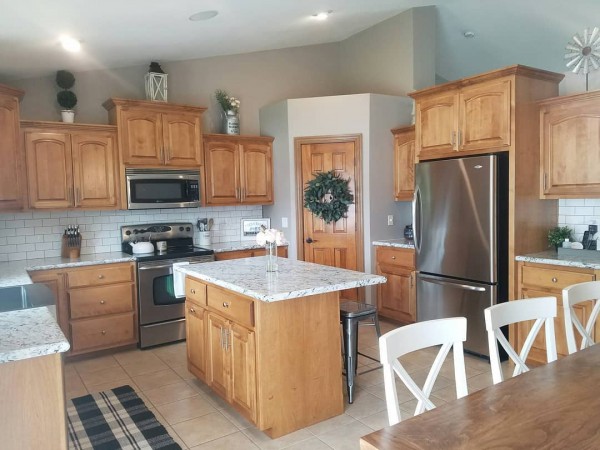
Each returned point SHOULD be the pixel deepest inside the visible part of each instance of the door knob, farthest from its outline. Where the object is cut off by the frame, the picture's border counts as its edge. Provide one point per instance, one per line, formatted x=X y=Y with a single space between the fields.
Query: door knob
x=310 y=240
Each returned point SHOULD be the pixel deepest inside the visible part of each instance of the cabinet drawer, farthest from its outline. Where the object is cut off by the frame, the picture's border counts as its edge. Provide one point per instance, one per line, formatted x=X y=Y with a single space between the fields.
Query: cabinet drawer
x=552 y=278
x=96 y=301
x=235 y=254
x=195 y=291
x=103 y=332
x=396 y=257
x=237 y=308
x=101 y=274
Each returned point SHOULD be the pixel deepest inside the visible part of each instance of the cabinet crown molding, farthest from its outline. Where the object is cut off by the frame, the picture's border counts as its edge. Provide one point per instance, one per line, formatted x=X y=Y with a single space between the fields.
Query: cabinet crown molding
x=404 y=129
x=8 y=90
x=67 y=127
x=592 y=95
x=150 y=105
x=237 y=137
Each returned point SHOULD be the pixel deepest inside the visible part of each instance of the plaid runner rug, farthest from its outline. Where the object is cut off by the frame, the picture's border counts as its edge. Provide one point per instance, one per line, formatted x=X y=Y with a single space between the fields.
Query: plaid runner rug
x=115 y=419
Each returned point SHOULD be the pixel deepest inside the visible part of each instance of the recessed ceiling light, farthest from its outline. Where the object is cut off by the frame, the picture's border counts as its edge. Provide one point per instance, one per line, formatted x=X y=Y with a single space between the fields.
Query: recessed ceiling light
x=469 y=34
x=203 y=15
x=322 y=15
x=70 y=44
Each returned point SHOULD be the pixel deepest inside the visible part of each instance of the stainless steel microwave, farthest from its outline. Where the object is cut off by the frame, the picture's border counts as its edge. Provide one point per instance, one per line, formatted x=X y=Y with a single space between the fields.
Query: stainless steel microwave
x=155 y=188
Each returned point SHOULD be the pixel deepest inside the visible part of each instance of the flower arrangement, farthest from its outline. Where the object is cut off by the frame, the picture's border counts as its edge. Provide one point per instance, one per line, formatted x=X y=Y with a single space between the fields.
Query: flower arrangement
x=270 y=235
x=227 y=103
x=557 y=235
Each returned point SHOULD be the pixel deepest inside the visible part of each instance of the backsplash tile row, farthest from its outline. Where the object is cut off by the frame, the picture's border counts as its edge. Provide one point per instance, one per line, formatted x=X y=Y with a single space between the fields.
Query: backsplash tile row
x=37 y=234
x=577 y=214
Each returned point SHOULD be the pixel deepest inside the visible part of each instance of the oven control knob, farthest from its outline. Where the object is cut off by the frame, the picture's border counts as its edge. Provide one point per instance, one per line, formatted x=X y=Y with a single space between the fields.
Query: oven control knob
x=187 y=228
x=180 y=228
x=128 y=233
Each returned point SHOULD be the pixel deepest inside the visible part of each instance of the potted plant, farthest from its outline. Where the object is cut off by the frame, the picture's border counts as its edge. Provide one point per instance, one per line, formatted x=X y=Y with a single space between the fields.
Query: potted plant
x=230 y=107
x=557 y=235
x=66 y=98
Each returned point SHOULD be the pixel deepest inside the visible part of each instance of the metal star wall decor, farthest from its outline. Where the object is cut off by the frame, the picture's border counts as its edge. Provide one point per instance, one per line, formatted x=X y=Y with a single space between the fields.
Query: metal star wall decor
x=583 y=54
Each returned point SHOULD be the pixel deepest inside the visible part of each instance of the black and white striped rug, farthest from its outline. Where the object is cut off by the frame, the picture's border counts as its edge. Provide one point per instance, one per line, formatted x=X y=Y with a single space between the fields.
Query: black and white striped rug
x=115 y=419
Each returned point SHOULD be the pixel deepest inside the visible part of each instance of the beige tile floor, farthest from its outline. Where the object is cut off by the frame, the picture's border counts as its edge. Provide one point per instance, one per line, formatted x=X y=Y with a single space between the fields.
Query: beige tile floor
x=198 y=419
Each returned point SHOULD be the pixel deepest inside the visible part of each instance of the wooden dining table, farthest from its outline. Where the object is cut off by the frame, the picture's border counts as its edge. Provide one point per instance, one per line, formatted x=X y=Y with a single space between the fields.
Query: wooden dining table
x=555 y=406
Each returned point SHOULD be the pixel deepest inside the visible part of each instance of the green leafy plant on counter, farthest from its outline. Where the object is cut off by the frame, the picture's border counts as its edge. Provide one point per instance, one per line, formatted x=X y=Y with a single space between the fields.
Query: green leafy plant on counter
x=557 y=235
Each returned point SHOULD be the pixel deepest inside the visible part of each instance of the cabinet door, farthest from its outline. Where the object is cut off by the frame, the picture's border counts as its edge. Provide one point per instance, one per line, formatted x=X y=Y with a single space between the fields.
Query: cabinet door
x=195 y=333
x=404 y=165
x=94 y=170
x=182 y=139
x=141 y=137
x=571 y=149
x=222 y=172
x=56 y=283
x=396 y=299
x=436 y=125
x=256 y=173
x=217 y=370
x=12 y=176
x=241 y=345
x=485 y=113
x=49 y=169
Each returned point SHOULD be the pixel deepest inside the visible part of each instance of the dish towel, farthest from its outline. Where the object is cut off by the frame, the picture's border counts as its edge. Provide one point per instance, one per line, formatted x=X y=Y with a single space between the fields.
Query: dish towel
x=179 y=279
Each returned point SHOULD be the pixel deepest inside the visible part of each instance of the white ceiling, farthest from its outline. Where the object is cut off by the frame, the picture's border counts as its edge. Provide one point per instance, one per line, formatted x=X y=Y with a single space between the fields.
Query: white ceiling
x=132 y=32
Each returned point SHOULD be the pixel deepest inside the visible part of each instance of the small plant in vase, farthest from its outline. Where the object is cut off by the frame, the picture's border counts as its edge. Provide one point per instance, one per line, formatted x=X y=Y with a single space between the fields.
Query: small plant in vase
x=230 y=107
x=557 y=235
x=66 y=98
x=270 y=238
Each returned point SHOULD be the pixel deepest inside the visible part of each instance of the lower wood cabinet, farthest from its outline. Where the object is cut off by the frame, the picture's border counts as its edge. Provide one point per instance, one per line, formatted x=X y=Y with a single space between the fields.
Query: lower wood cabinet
x=96 y=305
x=282 y=252
x=540 y=280
x=396 y=299
x=195 y=331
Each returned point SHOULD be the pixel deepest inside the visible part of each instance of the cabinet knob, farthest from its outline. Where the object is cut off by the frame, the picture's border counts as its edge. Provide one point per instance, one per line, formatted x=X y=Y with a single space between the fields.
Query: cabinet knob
x=192 y=310
x=393 y=257
x=193 y=291
x=102 y=302
x=554 y=279
x=100 y=276
x=225 y=305
x=103 y=331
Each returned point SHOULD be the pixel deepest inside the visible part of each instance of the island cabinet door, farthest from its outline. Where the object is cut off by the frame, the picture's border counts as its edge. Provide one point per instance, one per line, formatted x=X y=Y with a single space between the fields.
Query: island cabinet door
x=241 y=347
x=195 y=331
x=218 y=363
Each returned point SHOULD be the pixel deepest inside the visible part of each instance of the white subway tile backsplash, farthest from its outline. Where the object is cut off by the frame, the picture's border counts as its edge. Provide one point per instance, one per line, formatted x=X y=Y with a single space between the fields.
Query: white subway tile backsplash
x=578 y=214
x=38 y=234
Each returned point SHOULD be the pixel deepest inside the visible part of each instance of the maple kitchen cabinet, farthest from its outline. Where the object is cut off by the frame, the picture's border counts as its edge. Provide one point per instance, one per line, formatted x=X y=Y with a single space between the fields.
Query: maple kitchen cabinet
x=13 y=186
x=404 y=163
x=396 y=299
x=154 y=134
x=570 y=148
x=70 y=165
x=238 y=170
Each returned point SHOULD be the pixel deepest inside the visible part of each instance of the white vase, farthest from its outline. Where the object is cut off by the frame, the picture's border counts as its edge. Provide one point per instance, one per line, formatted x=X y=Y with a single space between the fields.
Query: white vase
x=68 y=115
x=231 y=122
x=271 y=248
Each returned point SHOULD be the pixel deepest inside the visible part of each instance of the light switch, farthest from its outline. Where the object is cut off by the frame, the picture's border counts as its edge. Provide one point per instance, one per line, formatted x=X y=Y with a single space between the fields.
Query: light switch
x=390 y=220
x=284 y=222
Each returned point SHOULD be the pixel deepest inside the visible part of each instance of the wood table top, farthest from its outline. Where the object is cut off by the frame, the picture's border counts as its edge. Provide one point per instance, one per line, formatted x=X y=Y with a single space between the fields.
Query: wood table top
x=552 y=406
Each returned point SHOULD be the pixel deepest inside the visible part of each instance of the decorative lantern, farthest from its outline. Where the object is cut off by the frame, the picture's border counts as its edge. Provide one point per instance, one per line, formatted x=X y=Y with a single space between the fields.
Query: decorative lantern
x=156 y=83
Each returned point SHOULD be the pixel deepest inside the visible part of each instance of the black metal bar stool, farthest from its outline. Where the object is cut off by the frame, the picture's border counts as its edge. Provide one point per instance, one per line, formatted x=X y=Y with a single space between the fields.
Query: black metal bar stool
x=350 y=314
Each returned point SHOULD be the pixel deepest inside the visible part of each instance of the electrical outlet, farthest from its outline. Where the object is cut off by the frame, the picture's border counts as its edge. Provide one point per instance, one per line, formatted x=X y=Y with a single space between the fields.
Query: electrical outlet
x=284 y=222
x=390 y=220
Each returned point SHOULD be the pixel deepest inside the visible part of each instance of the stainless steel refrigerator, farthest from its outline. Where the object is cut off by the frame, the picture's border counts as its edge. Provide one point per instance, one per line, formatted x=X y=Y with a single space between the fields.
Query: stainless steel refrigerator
x=461 y=240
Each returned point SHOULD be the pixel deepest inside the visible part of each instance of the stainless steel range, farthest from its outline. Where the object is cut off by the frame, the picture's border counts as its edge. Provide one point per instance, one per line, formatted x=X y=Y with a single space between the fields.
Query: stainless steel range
x=161 y=313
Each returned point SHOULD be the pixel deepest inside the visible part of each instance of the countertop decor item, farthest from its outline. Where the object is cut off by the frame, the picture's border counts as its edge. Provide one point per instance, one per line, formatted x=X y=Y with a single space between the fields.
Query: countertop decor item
x=328 y=196
x=156 y=83
x=583 y=54
x=66 y=98
x=230 y=108
x=557 y=235
x=270 y=238
x=251 y=227
x=71 y=242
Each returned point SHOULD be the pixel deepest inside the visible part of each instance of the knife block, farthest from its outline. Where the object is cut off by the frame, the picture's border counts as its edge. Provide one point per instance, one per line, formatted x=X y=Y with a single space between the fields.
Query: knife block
x=70 y=247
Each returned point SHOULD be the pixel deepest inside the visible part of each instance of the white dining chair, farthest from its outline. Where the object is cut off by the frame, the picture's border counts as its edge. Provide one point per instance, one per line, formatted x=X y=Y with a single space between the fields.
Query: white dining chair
x=541 y=309
x=448 y=333
x=572 y=295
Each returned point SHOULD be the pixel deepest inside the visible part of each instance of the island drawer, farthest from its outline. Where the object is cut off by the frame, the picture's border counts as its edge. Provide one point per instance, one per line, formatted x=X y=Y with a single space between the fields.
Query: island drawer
x=237 y=308
x=95 y=301
x=101 y=274
x=102 y=332
x=400 y=257
x=555 y=279
x=195 y=291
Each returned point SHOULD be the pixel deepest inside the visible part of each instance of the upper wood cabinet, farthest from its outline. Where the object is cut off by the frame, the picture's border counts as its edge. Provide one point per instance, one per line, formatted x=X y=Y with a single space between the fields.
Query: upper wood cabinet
x=12 y=170
x=157 y=134
x=238 y=169
x=404 y=163
x=570 y=147
x=477 y=115
x=70 y=165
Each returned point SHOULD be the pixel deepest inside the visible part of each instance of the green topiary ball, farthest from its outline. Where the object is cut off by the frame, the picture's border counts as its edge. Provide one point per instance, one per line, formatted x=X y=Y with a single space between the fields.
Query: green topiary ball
x=65 y=79
x=66 y=99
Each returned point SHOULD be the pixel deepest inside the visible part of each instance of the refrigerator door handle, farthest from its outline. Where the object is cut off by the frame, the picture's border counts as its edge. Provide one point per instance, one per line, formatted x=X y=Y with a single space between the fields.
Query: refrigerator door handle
x=416 y=211
x=456 y=285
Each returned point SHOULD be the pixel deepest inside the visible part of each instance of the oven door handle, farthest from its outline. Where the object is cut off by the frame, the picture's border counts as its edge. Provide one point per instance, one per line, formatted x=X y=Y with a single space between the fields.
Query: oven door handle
x=165 y=266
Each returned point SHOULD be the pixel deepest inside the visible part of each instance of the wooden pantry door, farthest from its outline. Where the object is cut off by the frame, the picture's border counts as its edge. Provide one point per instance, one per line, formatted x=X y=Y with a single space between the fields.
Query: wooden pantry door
x=336 y=244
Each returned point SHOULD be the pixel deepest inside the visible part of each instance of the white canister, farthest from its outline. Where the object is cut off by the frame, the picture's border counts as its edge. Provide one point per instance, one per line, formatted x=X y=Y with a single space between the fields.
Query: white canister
x=204 y=238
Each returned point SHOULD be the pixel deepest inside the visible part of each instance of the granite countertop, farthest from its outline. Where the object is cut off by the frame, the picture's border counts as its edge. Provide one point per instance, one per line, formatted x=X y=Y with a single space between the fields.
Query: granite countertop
x=587 y=259
x=294 y=279
x=28 y=333
x=398 y=243
x=234 y=246
x=14 y=273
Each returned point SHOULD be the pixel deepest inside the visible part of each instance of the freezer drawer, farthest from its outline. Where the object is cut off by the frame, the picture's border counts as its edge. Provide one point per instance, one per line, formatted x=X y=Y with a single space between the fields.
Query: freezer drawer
x=440 y=297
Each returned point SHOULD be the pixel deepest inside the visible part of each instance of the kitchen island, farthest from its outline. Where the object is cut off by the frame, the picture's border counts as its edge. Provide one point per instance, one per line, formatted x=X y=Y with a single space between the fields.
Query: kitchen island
x=269 y=343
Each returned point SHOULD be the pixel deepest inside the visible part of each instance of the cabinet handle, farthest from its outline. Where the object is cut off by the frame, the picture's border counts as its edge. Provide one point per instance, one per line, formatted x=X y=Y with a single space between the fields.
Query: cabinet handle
x=193 y=291
x=100 y=276
x=237 y=194
x=226 y=339
x=554 y=279
x=243 y=194
x=103 y=332
x=76 y=196
x=167 y=153
x=453 y=139
x=162 y=154
x=225 y=305
x=459 y=140
x=102 y=302
x=222 y=340
x=545 y=180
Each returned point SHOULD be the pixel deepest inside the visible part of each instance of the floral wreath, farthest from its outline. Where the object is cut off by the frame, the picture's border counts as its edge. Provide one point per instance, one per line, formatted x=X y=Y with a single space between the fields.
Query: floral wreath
x=328 y=196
